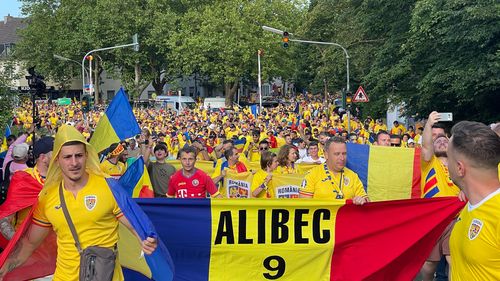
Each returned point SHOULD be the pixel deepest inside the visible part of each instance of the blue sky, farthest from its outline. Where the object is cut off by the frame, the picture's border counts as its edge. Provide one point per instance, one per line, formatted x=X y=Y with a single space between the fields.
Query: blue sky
x=12 y=7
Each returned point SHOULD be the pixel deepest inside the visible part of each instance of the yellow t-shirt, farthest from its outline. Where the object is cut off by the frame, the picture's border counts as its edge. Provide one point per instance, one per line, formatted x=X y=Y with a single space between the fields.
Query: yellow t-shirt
x=286 y=170
x=435 y=180
x=475 y=241
x=257 y=180
x=318 y=184
x=94 y=213
x=116 y=171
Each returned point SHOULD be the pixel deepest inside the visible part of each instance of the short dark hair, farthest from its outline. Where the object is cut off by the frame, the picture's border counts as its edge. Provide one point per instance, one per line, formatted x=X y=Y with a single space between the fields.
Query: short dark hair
x=477 y=142
x=381 y=132
x=160 y=146
x=396 y=137
x=264 y=142
x=229 y=152
x=188 y=149
x=334 y=139
x=312 y=143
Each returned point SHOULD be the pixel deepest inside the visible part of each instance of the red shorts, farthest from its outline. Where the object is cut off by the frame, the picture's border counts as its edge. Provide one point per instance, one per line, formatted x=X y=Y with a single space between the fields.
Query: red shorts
x=442 y=247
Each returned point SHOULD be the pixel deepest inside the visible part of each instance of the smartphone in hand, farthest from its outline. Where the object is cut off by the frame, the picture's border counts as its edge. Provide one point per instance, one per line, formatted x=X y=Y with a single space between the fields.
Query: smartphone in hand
x=445 y=116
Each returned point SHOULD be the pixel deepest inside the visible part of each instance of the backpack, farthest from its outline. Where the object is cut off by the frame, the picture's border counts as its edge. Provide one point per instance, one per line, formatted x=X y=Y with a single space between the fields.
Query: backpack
x=4 y=182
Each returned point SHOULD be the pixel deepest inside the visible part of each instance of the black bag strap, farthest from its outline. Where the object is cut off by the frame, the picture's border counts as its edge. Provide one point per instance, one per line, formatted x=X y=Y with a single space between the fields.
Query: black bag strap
x=6 y=172
x=68 y=219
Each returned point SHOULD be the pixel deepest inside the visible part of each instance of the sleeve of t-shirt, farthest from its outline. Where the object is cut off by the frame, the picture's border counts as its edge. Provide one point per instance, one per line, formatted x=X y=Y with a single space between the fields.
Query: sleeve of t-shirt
x=307 y=187
x=257 y=181
x=172 y=188
x=39 y=217
x=210 y=186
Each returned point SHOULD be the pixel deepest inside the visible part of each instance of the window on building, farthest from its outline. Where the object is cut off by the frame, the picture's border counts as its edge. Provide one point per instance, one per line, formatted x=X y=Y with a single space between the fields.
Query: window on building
x=110 y=95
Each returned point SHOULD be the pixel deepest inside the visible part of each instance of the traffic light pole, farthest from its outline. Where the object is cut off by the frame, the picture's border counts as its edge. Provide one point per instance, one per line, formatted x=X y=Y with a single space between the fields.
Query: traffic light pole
x=347 y=73
x=101 y=49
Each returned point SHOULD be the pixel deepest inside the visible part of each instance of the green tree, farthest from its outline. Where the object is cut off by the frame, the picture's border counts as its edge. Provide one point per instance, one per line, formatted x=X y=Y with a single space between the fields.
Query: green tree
x=220 y=39
x=452 y=59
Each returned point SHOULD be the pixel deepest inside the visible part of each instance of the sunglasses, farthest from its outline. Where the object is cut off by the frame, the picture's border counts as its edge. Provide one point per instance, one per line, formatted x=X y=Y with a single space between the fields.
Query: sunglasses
x=263 y=148
x=395 y=144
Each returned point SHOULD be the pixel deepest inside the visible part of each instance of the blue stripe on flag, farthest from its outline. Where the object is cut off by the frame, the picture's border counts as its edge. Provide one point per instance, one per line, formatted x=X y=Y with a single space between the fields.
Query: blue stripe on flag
x=358 y=156
x=121 y=116
x=193 y=216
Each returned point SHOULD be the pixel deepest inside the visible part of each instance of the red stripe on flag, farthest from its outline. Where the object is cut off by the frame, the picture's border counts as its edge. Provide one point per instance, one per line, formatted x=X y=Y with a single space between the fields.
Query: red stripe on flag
x=41 y=263
x=430 y=184
x=388 y=240
x=417 y=175
x=146 y=192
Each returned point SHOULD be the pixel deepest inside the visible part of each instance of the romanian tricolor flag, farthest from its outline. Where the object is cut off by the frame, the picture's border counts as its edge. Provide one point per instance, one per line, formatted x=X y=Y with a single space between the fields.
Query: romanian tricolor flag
x=280 y=239
x=117 y=123
x=157 y=266
x=136 y=181
x=387 y=173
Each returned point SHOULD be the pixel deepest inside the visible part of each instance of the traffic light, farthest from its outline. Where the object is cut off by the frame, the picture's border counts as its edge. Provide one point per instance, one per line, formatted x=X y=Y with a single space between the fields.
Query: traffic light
x=286 y=39
x=89 y=57
x=348 y=98
x=86 y=100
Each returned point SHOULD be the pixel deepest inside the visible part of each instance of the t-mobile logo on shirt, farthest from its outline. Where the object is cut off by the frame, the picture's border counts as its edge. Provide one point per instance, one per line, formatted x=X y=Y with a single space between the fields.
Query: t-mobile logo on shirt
x=182 y=193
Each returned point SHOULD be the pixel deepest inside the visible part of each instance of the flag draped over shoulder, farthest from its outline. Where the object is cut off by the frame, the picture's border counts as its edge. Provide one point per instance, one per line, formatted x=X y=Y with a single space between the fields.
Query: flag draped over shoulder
x=117 y=123
x=157 y=266
x=387 y=173
x=275 y=239
x=136 y=181
x=23 y=195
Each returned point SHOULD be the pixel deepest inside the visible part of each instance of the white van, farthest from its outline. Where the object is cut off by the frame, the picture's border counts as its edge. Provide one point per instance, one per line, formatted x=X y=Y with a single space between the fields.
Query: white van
x=217 y=102
x=175 y=103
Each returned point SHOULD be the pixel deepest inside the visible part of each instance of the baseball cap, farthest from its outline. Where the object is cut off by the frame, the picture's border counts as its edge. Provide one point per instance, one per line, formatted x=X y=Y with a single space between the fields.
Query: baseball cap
x=42 y=146
x=20 y=150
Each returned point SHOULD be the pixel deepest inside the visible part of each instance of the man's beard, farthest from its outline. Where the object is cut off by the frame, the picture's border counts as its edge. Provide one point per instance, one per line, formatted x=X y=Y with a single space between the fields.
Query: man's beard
x=441 y=154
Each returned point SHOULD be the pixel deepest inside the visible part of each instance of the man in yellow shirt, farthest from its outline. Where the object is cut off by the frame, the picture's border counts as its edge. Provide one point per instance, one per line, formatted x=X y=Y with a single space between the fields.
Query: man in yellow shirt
x=333 y=180
x=473 y=156
x=75 y=169
x=398 y=129
x=436 y=182
x=114 y=164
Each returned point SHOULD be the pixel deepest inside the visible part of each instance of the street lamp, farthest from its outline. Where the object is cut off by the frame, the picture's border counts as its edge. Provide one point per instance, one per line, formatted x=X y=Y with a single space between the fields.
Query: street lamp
x=68 y=59
x=277 y=31
x=135 y=44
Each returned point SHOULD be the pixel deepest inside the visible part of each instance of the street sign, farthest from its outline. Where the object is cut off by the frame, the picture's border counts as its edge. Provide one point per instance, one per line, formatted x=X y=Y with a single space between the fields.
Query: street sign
x=360 y=95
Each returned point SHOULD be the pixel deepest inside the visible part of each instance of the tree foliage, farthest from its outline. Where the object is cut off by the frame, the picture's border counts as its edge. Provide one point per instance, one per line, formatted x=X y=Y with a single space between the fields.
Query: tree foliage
x=427 y=54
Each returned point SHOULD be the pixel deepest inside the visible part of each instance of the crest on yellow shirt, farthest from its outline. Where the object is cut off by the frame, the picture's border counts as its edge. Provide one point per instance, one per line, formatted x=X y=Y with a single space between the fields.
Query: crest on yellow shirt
x=475 y=228
x=90 y=202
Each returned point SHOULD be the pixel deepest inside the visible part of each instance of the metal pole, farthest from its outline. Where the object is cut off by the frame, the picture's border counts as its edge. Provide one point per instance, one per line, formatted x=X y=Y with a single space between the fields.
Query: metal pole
x=179 y=109
x=96 y=50
x=260 y=83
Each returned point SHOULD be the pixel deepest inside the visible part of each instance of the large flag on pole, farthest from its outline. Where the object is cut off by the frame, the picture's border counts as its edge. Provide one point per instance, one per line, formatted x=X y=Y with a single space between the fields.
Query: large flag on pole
x=117 y=123
x=280 y=239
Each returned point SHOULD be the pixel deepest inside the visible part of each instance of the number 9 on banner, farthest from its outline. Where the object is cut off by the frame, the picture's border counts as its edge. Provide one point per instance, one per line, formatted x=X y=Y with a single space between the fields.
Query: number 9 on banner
x=275 y=264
